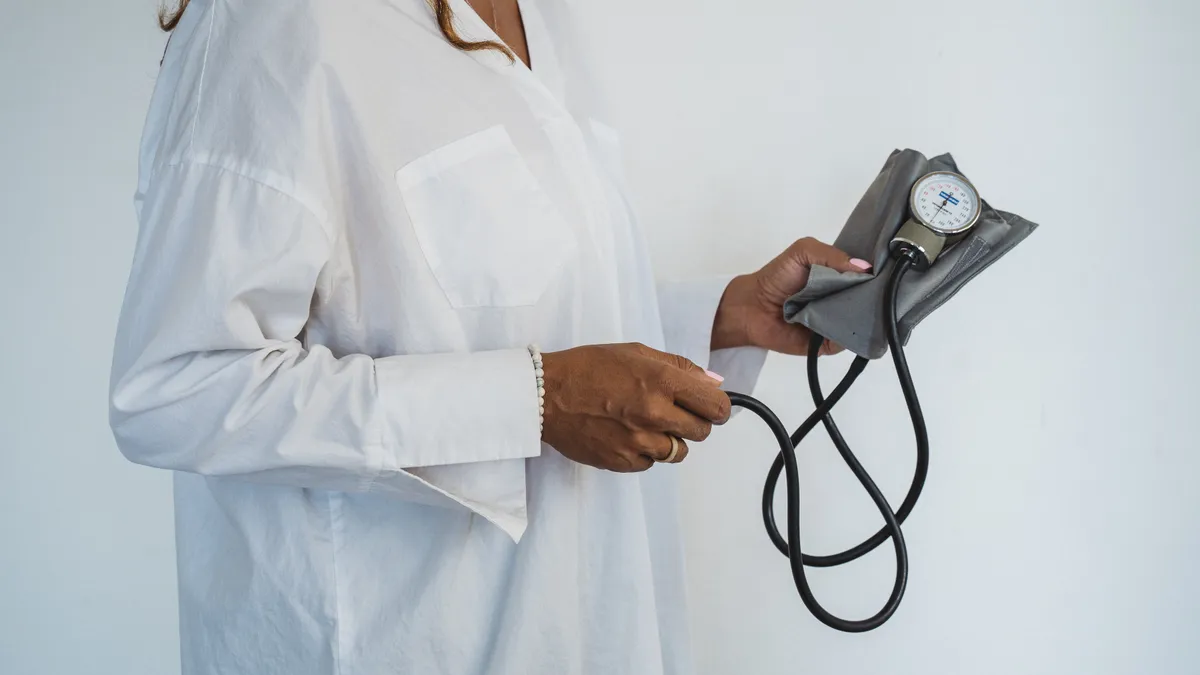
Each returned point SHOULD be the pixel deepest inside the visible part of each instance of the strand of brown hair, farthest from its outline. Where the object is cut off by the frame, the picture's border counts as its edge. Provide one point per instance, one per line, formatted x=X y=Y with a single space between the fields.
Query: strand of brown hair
x=168 y=19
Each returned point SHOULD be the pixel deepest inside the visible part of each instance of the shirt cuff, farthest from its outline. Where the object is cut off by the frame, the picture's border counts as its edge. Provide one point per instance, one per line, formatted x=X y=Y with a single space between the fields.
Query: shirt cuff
x=456 y=429
x=688 y=309
x=458 y=408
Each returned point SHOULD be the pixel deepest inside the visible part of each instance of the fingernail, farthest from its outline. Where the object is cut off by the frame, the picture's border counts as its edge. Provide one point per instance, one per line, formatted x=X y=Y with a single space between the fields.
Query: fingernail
x=860 y=263
x=714 y=376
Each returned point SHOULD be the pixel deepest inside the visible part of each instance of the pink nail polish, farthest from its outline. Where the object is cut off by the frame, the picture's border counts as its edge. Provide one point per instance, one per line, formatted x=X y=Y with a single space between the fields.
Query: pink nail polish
x=860 y=263
x=714 y=376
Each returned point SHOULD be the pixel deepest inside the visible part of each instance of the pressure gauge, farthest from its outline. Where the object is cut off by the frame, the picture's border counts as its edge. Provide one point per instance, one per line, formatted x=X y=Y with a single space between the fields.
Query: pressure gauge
x=943 y=204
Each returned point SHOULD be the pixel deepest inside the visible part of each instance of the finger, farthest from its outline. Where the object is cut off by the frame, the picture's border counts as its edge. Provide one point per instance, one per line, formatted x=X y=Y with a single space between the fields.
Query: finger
x=810 y=251
x=631 y=462
x=658 y=448
x=693 y=388
x=704 y=400
x=681 y=450
x=829 y=348
x=680 y=454
x=799 y=341
x=677 y=362
x=683 y=423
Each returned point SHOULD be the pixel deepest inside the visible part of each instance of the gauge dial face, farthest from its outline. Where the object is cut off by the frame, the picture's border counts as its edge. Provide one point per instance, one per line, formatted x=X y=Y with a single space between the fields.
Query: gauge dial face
x=945 y=202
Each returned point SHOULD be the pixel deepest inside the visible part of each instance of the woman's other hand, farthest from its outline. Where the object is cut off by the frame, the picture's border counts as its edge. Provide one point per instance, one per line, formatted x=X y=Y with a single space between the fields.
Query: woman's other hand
x=751 y=311
x=616 y=406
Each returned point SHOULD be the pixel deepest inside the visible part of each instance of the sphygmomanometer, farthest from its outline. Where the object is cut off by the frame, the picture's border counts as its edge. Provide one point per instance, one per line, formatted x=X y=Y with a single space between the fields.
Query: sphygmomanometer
x=927 y=232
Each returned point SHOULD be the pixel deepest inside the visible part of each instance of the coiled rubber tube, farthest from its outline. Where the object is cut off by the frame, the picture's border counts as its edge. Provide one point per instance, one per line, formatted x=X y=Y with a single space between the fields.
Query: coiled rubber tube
x=785 y=462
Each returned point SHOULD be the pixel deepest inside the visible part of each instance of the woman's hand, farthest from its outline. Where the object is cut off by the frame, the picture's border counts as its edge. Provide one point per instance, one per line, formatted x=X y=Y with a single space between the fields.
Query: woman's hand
x=751 y=311
x=616 y=406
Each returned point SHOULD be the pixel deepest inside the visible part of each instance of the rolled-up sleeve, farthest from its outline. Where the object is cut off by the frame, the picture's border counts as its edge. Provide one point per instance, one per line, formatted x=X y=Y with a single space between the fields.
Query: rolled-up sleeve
x=210 y=374
x=688 y=309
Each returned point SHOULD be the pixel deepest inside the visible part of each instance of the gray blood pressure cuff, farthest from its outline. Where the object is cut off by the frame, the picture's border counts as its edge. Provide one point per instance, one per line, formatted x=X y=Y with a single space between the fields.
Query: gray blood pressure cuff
x=847 y=307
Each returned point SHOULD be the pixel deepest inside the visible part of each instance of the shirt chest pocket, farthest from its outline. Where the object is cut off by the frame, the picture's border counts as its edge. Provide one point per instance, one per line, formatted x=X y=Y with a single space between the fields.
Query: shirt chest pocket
x=490 y=234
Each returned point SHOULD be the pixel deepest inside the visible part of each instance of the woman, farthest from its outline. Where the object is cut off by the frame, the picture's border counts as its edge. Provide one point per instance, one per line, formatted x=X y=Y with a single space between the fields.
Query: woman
x=355 y=217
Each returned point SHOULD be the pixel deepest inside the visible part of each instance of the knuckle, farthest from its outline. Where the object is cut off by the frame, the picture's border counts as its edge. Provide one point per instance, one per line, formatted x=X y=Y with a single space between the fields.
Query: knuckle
x=665 y=382
x=644 y=412
x=647 y=414
x=643 y=441
x=663 y=409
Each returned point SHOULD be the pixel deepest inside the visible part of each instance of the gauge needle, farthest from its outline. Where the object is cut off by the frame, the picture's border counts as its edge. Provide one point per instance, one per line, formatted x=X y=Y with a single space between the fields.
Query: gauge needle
x=940 y=207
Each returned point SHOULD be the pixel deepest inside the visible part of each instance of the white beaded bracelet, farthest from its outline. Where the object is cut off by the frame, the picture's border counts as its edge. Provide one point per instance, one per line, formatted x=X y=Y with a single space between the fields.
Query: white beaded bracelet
x=536 y=354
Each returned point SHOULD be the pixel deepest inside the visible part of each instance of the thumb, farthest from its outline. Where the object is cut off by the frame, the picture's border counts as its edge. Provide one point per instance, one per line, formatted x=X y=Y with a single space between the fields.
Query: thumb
x=814 y=252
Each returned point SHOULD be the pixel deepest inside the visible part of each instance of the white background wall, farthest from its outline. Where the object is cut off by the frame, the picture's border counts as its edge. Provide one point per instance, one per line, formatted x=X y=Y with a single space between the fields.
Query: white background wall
x=1058 y=532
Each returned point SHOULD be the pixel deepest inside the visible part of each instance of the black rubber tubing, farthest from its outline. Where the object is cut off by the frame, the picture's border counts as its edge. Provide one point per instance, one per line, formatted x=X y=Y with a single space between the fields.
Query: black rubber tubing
x=785 y=462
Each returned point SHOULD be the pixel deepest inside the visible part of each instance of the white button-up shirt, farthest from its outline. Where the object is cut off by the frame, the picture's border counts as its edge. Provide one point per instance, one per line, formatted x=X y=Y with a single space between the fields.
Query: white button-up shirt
x=349 y=232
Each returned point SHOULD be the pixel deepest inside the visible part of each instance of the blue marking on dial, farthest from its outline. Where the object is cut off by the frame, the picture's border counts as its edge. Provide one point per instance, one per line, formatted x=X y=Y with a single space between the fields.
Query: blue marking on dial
x=948 y=197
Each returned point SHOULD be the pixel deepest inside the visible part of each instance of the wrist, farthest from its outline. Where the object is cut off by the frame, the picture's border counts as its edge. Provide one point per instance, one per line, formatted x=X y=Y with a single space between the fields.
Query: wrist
x=732 y=321
x=551 y=380
x=535 y=354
